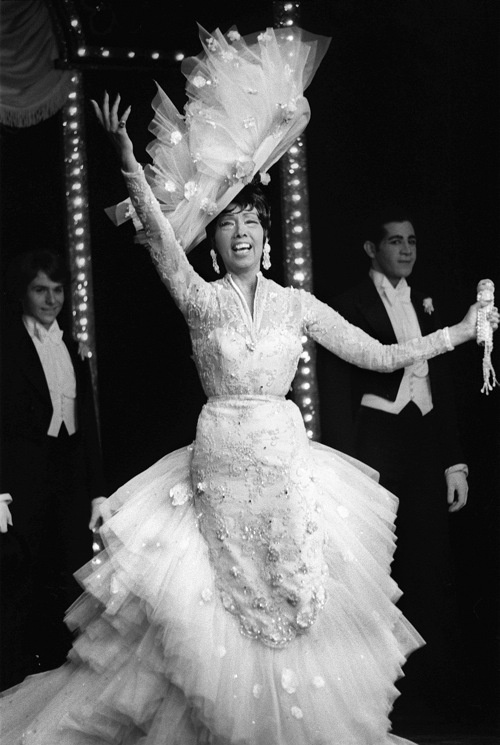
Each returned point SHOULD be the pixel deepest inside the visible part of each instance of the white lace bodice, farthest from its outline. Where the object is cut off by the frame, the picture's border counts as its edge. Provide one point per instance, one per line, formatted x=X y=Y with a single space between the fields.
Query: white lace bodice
x=242 y=353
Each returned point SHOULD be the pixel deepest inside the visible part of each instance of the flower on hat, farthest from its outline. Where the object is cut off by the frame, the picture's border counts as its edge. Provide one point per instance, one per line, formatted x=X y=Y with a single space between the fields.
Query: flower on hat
x=208 y=206
x=242 y=171
x=190 y=189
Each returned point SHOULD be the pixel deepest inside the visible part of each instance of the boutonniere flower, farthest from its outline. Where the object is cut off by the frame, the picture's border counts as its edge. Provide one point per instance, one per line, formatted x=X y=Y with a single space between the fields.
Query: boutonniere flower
x=428 y=306
x=84 y=350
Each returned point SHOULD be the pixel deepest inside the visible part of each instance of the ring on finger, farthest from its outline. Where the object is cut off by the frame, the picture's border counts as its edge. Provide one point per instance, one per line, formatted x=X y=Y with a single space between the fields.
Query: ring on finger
x=121 y=124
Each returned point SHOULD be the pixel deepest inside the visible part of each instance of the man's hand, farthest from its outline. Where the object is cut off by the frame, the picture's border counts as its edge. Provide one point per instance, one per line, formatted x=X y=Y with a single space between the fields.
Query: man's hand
x=458 y=489
x=98 y=513
x=5 y=517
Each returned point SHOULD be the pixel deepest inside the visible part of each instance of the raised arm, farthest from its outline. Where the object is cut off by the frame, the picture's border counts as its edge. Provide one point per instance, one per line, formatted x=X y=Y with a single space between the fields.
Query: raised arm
x=350 y=343
x=168 y=255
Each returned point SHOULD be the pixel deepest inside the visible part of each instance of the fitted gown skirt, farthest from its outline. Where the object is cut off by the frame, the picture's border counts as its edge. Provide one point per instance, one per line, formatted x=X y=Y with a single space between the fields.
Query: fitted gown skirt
x=243 y=597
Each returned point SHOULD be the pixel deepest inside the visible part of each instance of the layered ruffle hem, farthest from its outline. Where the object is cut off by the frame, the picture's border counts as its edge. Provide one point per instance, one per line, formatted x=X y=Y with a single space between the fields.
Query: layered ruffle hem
x=162 y=658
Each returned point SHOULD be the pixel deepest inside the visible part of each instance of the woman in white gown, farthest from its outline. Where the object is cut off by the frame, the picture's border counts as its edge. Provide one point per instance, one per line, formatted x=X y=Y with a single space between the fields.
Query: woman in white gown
x=244 y=594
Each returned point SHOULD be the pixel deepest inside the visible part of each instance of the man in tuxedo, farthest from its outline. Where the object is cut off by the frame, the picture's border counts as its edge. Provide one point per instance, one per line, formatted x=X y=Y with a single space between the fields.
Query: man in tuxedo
x=51 y=471
x=404 y=425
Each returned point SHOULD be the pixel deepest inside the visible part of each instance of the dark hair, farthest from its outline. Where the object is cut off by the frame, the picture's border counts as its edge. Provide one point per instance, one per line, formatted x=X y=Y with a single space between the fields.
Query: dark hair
x=251 y=196
x=24 y=268
x=374 y=229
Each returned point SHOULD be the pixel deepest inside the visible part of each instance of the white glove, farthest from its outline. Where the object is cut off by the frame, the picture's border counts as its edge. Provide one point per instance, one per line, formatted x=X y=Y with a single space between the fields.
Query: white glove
x=458 y=489
x=5 y=517
x=98 y=513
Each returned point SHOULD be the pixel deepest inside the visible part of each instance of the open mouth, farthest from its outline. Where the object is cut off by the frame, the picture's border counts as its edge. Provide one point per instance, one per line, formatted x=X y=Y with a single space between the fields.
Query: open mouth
x=242 y=247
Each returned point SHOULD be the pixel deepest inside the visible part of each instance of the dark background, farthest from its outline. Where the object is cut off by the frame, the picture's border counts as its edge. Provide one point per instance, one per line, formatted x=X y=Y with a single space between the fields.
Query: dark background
x=404 y=107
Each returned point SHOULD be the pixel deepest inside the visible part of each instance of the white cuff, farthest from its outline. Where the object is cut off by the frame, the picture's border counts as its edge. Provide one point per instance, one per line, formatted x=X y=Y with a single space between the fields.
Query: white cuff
x=133 y=173
x=447 y=340
x=459 y=467
x=5 y=498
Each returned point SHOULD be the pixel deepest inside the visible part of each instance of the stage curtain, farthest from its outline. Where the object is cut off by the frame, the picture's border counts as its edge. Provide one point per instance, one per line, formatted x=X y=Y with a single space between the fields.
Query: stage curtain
x=31 y=89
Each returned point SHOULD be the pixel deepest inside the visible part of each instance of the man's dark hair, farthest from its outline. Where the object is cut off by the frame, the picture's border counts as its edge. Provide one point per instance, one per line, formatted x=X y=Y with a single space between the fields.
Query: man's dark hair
x=24 y=268
x=374 y=230
x=251 y=196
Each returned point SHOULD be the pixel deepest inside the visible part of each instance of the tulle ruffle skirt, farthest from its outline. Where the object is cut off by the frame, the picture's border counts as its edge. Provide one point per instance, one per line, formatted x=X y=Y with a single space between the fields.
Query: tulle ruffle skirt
x=163 y=659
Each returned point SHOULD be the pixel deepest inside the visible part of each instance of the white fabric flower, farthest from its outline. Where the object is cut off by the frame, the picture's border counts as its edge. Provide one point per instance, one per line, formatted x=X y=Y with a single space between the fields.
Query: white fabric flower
x=169 y=186
x=289 y=681
x=233 y=35
x=175 y=137
x=181 y=492
x=190 y=189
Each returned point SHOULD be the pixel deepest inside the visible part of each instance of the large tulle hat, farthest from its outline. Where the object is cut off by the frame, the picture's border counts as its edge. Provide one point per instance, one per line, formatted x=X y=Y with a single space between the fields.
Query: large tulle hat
x=245 y=108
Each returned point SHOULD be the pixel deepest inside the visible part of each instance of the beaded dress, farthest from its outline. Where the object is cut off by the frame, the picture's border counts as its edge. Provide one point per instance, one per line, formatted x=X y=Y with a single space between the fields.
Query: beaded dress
x=244 y=594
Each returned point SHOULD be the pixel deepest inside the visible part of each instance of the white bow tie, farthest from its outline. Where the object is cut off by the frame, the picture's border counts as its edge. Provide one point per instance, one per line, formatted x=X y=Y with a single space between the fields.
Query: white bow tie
x=54 y=335
x=402 y=294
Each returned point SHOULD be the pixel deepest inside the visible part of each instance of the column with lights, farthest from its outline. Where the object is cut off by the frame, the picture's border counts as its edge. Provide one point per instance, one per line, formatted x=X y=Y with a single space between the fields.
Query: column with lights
x=77 y=219
x=297 y=246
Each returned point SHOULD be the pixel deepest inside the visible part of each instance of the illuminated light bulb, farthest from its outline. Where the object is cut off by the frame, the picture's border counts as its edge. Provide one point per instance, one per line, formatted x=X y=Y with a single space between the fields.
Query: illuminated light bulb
x=310 y=433
x=297 y=228
x=131 y=55
x=179 y=56
x=73 y=110
x=80 y=262
x=299 y=260
x=308 y=417
x=79 y=231
x=298 y=245
x=296 y=197
x=84 y=336
x=299 y=276
x=306 y=370
x=304 y=339
x=77 y=216
x=305 y=386
x=77 y=201
x=76 y=185
x=83 y=306
x=105 y=52
x=297 y=213
x=74 y=22
x=81 y=53
x=155 y=55
x=306 y=401
x=80 y=246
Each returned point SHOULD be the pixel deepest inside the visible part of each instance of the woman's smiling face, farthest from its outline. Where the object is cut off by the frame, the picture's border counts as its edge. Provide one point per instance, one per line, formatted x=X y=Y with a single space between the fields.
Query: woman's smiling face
x=239 y=239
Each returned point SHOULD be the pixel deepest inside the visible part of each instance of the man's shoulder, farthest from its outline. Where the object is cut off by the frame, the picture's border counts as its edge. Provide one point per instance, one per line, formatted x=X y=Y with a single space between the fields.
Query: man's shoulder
x=358 y=293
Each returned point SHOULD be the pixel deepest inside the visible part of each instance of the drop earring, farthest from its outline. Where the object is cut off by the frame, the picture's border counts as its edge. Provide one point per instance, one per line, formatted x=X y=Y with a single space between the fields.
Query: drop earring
x=214 y=261
x=266 y=255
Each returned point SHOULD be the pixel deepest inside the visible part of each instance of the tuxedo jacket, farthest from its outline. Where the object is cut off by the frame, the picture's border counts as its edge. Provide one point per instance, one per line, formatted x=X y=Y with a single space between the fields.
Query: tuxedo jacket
x=342 y=385
x=26 y=412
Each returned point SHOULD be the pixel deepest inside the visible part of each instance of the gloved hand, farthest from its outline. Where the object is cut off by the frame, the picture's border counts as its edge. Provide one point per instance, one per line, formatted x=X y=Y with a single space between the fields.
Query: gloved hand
x=98 y=513
x=5 y=517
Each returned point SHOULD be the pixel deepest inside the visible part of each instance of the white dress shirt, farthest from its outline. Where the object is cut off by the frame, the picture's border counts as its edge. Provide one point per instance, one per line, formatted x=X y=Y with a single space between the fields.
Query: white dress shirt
x=415 y=384
x=59 y=373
